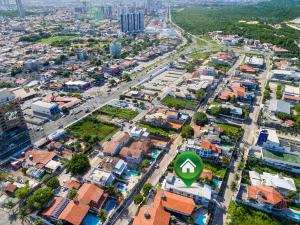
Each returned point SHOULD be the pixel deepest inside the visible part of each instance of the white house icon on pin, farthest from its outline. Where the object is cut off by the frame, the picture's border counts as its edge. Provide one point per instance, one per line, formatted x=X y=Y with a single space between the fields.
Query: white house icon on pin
x=188 y=166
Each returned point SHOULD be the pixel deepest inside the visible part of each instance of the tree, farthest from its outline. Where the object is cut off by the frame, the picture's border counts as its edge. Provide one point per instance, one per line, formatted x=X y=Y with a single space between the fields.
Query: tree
x=233 y=186
x=53 y=183
x=39 y=222
x=102 y=215
x=200 y=118
x=126 y=77
x=190 y=67
x=78 y=164
x=225 y=160
x=200 y=94
x=113 y=191
x=215 y=110
x=23 y=215
x=40 y=198
x=187 y=131
x=147 y=187
x=145 y=163
x=23 y=192
x=113 y=82
x=138 y=199
x=72 y=193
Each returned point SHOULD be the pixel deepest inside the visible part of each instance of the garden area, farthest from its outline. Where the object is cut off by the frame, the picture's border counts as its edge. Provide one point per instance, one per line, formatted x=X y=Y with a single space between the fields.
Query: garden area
x=234 y=132
x=178 y=103
x=56 y=39
x=92 y=130
x=156 y=130
x=217 y=170
x=243 y=215
x=125 y=114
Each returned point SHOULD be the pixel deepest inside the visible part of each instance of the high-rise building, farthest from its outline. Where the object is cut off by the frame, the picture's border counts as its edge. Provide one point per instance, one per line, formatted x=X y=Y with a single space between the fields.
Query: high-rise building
x=20 y=8
x=14 y=135
x=132 y=22
x=107 y=11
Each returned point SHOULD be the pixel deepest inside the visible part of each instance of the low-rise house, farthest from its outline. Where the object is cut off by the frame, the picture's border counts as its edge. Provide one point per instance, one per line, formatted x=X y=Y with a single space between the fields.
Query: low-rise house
x=247 y=69
x=91 y=195
x=100 y=177
x=136 y=151
x=201 y=193
x=112 y=147
x=45 y=110
x=223 y=58
x=120 y=168
x=286 y=75
x=283 y=185
x=291 y=94
x=76 y=86
x=165 y=203
x=255 y=61
x=38 y=158
x=74 y=213
x=266 y=197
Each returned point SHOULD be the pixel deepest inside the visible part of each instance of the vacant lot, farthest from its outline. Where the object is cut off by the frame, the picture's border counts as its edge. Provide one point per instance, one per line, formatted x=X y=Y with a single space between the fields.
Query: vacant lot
x=91 y=128
x=156 y=130
x=52 y=40
x=217 y=170
x=178 y=103
x=125 y=114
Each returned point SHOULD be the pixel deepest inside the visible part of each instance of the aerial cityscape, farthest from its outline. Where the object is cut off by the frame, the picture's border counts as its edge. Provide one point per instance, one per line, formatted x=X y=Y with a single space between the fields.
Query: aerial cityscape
x=150 y=112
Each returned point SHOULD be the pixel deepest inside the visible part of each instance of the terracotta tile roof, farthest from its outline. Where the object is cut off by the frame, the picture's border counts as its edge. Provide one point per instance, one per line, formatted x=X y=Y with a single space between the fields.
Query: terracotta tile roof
x=247 y=68
x=174 y=202
x=110 y=146
x=89 y=192
x=266 y=194
x=207 y=174
x=72 y=184
x=144 y=145
x=128 y=152
x=74 y=213
x=281 y=63
x=207 y=145
x=10 y=188
x=291 y=97
x=39 y=157
x=152 y=215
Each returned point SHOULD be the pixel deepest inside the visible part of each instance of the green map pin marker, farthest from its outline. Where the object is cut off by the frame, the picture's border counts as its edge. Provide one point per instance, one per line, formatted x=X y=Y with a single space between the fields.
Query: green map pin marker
x=188 y=166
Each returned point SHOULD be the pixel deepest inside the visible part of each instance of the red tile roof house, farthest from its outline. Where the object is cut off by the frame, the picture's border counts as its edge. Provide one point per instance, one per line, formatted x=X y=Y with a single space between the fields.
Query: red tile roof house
x=159 y=212
x=210 y=150
x=136 y=151
x=113 y=147
x=66 y=210
x=92 y=195
x=247 y=69
x=266 y=197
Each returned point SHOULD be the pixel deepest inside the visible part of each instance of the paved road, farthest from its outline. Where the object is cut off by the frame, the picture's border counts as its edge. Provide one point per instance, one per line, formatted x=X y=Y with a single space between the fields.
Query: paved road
x=9 y=218
x=220 y=214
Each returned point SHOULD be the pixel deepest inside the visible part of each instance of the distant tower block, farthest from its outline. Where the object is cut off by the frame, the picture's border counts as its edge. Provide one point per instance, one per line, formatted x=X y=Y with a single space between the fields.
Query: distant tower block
x=20 y=8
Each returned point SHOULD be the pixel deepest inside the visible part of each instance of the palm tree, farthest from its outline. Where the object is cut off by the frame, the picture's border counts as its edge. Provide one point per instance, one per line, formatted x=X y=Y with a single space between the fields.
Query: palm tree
x=24 y=215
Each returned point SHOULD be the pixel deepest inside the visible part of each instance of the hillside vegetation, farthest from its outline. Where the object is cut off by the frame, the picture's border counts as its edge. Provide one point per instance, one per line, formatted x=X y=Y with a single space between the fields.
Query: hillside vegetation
x=233 y=20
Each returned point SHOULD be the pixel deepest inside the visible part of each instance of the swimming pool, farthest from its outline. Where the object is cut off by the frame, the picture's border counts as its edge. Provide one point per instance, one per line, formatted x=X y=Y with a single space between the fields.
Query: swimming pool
x=110 y=204
x=133 y=173
x=294 y=214
x=201 y=220
x=90 y=219
x=121 y=187
x=154 y=154
x=216 y=182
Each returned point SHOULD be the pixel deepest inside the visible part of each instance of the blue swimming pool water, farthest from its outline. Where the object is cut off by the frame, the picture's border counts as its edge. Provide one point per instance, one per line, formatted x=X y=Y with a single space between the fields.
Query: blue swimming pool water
x=154 y=154
x=90 y=219
x=133 y=173
x=216 y=182
x=295 y=215
x=201 y=219
x=110 y=204
x=121 y=187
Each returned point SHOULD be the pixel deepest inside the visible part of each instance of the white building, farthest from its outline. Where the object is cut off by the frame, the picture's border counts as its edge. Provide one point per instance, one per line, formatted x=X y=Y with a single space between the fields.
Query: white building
x=45 y=109
x=200 y=193
x=100 y=177
x=282 y=184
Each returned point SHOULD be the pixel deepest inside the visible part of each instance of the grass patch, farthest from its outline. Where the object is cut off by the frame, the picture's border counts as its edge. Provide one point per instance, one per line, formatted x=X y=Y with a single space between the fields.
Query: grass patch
x=91 y=127
x=232 y=131
x=156 y=130
x=243 y=215
x=52 y=40
x=125 y=114
x=286 y=157
x=178 y=103
x=203 y=55
x=222 y=68
x=217 y=170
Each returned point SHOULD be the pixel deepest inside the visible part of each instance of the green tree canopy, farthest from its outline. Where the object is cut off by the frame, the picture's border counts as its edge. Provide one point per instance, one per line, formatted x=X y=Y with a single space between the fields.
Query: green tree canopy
x=78 y=164
x=200 y=118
